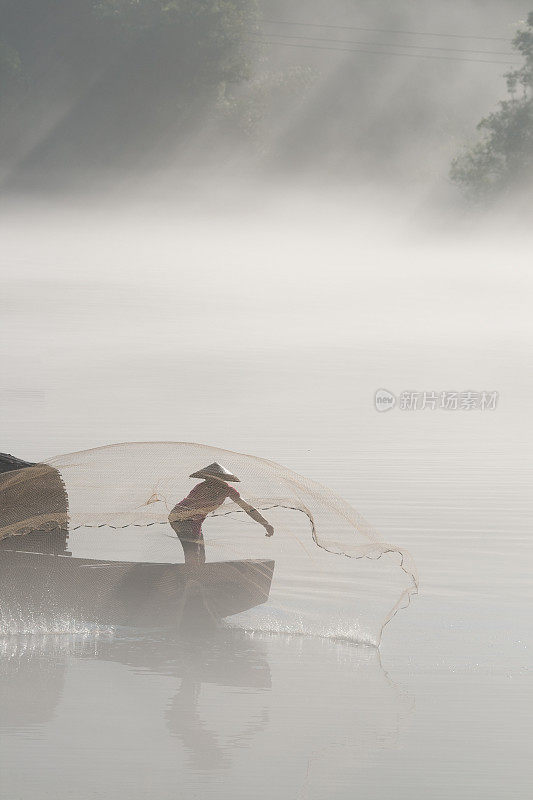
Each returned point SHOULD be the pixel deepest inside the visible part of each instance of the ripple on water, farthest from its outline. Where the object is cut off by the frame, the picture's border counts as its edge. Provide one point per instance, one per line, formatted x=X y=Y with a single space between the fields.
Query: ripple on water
x=292 y=625
x=28 y=624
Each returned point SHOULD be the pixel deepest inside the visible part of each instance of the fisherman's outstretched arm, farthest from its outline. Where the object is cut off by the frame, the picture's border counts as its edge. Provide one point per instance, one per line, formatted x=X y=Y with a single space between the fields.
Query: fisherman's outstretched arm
x=255 y=515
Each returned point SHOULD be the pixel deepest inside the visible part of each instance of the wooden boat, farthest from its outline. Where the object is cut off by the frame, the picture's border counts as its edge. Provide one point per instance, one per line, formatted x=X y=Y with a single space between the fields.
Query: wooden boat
x=40 y=579
x=129 y=593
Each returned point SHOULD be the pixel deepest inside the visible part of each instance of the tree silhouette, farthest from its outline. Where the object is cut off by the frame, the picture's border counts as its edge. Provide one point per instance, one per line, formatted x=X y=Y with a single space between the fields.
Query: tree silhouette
x=502 y=160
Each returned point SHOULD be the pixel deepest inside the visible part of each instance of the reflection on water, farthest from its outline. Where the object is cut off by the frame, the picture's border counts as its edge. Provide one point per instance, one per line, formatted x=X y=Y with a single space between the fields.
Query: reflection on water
x=173 y=717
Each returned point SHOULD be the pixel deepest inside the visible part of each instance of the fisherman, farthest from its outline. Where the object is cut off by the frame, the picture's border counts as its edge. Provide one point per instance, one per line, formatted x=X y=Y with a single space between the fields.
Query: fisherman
x=186 y=517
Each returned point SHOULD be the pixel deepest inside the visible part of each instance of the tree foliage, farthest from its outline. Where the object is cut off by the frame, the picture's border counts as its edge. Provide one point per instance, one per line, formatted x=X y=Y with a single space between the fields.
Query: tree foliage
x=105 y=82
x=215 y=29
x=502 y=159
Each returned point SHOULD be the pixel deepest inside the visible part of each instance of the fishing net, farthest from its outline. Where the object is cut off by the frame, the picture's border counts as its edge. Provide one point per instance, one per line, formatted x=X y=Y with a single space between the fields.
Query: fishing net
x=328 y=575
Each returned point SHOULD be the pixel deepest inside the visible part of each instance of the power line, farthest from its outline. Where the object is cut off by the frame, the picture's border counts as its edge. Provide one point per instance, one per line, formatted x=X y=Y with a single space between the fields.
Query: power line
x=390 y=44
x=386 y=30
x=383 y=52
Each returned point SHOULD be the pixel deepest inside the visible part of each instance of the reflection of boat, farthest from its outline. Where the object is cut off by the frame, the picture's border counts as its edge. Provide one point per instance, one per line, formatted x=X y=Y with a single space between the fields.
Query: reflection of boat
x=129 y=593
x=42 y=679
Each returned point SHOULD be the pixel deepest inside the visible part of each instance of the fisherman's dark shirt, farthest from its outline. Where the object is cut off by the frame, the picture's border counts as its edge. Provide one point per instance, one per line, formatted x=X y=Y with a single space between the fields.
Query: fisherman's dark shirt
x=203 y=499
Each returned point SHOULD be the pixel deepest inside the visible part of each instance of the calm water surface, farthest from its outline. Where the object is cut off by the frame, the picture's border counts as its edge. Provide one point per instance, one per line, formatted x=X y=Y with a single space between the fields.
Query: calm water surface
x=442 y=710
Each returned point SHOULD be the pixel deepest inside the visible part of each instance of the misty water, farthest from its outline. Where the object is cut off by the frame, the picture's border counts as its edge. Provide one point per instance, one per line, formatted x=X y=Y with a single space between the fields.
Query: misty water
x=172 y=324
x=219 y=226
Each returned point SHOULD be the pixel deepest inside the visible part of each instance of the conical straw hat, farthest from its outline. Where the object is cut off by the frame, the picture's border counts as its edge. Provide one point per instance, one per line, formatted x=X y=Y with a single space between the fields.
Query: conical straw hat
x=215 y=470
